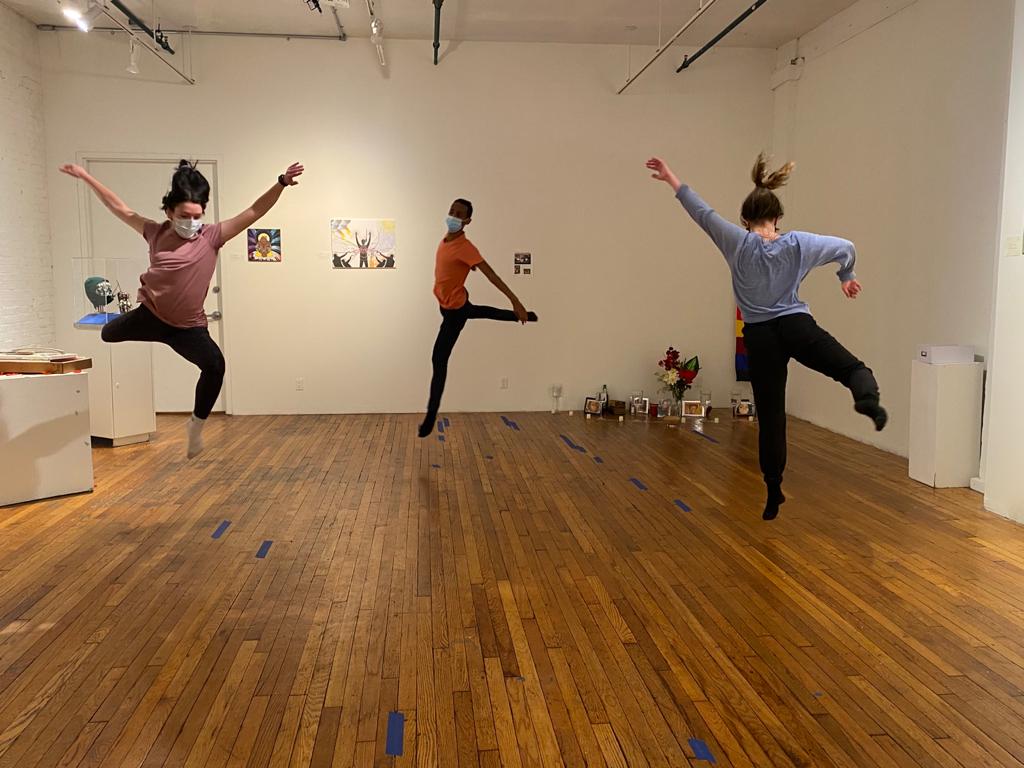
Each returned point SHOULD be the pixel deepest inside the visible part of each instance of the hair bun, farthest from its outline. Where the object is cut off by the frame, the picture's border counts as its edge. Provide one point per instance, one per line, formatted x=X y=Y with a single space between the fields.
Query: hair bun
x=186 y=165
x=771 y=181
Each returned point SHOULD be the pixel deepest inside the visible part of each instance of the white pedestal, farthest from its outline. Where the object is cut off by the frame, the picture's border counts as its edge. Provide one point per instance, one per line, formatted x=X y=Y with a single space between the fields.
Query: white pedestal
x=945 y=423
x=45 y=449
x=120 y=387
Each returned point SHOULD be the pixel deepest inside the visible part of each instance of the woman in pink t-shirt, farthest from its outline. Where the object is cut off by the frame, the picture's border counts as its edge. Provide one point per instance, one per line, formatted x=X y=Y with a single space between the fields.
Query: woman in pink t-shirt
x=182 y=260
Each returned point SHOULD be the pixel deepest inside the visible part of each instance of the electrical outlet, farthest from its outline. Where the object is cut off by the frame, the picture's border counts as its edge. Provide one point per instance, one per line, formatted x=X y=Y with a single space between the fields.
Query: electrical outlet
x=504 y=383
x=300 y=385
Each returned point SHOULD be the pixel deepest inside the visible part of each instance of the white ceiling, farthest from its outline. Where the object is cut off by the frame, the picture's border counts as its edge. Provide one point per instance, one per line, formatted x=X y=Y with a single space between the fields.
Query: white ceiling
x=576 y=21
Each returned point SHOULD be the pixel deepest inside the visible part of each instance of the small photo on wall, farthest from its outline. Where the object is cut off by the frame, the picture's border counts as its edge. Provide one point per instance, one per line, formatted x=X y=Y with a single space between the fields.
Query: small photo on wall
x=523 y=264
x=265 y=245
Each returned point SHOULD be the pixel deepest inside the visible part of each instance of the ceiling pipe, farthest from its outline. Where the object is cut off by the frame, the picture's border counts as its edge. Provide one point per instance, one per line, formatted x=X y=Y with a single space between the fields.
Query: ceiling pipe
x=143 y=41
x=705 y=5
x=688 y=60
x=437 y=28
x=342 y=35
x=197 y=32
x=158 y=37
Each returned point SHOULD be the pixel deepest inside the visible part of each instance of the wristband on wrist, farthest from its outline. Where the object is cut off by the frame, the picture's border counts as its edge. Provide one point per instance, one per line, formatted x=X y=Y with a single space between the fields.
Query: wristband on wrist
x=282 y=180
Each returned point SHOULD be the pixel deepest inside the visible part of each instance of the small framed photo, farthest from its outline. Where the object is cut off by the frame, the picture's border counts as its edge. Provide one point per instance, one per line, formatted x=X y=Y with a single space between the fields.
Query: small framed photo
x=592 y=406
x=745 y=408
x=693 y=408
x=518 y=269
x=644 y=406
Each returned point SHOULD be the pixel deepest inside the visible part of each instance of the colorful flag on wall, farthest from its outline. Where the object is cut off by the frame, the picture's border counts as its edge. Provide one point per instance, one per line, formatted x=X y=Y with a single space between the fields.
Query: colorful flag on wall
x=742 y=367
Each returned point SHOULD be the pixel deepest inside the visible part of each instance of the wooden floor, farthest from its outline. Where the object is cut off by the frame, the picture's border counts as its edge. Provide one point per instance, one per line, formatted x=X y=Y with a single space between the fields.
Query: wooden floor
x=534 y=590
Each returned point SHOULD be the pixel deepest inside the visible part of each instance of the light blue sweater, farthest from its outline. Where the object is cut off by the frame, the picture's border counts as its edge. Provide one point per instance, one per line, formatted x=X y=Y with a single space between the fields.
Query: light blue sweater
x=766 y=276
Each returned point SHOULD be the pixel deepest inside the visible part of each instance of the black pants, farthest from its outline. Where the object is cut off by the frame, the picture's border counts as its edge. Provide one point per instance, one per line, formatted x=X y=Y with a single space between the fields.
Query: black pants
x=193 y=344
x=770 y=346
x=452 y=323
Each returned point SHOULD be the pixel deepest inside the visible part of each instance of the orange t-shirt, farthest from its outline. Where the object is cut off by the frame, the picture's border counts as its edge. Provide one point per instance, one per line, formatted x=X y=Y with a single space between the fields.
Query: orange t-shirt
x=455 y=259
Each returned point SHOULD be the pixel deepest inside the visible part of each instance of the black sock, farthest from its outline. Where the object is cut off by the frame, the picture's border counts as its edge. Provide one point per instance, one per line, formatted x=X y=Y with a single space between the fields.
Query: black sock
x=428 y=425
x=870 y=407
x=531 y=317
x=775 y=499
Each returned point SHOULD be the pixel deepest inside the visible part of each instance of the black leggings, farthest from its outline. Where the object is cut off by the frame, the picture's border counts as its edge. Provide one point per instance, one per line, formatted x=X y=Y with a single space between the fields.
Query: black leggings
x=452 y=323
x=193 y=344
x=770 y=346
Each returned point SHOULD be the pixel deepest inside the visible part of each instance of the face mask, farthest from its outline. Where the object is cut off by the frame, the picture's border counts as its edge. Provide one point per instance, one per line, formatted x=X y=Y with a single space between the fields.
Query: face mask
x=453 y=224
x=187 y=229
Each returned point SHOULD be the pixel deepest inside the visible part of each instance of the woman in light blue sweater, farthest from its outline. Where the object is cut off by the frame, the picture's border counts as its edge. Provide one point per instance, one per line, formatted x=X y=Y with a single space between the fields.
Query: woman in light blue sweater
x=767 y=268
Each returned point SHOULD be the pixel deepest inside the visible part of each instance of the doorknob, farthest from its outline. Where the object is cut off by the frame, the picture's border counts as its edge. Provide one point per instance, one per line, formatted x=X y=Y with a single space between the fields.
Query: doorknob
x=215 y=315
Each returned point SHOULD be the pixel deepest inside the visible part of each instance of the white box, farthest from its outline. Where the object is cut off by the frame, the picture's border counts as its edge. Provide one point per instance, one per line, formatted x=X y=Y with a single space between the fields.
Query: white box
x=939 y=354
x=45 y=448
x=945 y=423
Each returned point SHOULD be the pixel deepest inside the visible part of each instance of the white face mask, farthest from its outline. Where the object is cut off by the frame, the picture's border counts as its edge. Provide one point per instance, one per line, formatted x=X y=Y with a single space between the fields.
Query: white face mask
x=188 y=228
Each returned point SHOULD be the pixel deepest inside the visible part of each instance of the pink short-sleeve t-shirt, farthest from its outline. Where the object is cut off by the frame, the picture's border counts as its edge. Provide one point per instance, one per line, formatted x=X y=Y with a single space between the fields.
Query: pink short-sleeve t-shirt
x=174 y=287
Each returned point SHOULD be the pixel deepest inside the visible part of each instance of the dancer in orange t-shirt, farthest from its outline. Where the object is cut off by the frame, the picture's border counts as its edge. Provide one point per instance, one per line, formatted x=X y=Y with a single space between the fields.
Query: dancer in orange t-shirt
x=456 y=258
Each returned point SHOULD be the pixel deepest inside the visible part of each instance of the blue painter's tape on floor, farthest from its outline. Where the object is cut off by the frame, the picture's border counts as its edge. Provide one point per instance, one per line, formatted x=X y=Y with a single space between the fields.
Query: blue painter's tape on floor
x=446 y=422
x=440 y=438
x=436 y=466
x=599 y=460
x=220 y=529
x=701 y=751
x=489 y=458
x=706 y=437
x=393 y=744
x=638 y=484
x=682 y=506
x=440 y=426
x=264 y=548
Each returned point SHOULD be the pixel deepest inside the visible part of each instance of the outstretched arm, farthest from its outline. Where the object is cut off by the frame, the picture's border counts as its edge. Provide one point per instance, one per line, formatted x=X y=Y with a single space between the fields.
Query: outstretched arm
x=819 y=250
x=726 y=235
x=517 y=305
x=113 y=203
x=259 y=209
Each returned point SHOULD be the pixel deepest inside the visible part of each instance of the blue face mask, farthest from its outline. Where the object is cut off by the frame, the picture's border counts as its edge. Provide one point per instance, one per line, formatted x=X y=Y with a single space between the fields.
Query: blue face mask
x=453 y=224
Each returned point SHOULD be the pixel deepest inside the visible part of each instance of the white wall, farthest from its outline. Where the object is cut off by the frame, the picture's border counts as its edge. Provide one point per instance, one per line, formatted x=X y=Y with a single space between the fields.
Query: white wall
x=26 y=275
x=1004 y=480
x=533 y=134
x=897 y=128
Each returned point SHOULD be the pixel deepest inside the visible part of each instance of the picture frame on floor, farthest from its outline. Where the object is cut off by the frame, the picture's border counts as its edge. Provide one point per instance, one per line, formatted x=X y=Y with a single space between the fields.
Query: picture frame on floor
x=592 y=406
x=693 y=408
x=644 y=406
x=744 y=408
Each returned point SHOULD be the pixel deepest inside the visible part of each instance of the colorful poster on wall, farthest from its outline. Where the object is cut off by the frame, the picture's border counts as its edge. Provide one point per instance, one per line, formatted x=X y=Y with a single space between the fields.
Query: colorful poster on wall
x=265 y=245
x=742 y=365
x=523 y=265
x=363 y=243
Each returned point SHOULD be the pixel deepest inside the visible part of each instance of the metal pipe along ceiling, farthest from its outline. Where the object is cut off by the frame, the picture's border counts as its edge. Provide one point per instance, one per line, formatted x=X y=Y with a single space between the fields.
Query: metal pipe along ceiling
x=141 y=25
x=688 y=60
x=705 y=6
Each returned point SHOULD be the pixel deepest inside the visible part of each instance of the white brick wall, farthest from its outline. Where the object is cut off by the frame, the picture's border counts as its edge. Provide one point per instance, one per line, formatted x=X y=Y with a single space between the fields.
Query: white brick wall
x=26 y=266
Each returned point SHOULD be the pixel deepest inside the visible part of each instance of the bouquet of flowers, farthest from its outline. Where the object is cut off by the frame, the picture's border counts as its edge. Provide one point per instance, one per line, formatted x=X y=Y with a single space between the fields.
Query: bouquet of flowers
x=677 y=376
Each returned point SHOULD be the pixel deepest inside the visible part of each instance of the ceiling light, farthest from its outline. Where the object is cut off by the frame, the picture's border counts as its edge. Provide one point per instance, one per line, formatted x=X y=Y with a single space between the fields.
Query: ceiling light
x=70 y=13
x=84 y=21
x=133 y=58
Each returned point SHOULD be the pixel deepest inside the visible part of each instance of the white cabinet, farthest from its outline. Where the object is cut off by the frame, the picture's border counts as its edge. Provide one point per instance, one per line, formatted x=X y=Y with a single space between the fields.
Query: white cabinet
x=120 y=387
x=45 y=448
x=945 y=423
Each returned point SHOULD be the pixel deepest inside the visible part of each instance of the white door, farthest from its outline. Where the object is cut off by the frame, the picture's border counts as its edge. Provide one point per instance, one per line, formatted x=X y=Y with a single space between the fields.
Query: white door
x=142 y=183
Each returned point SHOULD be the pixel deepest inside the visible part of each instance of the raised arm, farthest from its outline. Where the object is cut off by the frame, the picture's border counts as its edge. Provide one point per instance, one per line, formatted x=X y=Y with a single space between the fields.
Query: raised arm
x=726 y=236
x=517 y=305
x=259 y=209
x=113 y=203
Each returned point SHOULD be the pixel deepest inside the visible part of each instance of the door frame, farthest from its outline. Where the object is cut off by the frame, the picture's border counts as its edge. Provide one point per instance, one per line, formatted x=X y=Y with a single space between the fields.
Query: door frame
x=84 y=158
